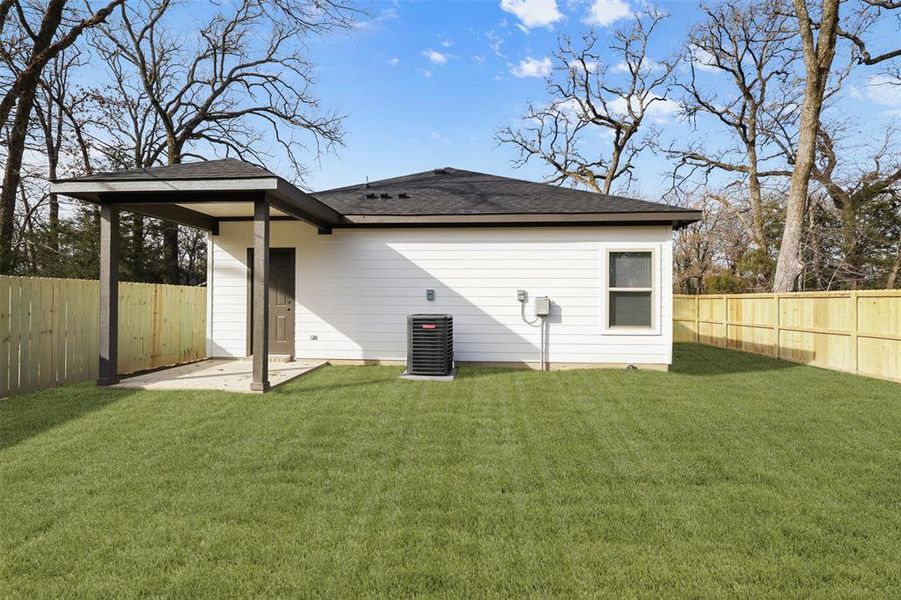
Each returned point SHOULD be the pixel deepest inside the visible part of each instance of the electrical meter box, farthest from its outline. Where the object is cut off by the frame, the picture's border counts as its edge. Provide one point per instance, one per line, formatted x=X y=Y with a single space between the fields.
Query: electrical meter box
x=542 y=306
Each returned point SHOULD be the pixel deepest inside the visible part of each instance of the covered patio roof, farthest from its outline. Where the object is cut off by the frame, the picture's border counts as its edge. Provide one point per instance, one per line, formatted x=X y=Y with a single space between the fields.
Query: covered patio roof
x=201 y=194
x=198 y=195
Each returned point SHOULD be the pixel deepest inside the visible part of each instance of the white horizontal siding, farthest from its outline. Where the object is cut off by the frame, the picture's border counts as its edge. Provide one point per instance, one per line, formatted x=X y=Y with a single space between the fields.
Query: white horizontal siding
x=355 y=288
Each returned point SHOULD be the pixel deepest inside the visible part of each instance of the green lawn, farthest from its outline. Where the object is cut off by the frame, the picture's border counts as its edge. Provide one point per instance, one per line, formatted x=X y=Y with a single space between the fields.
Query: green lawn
x=732 y=475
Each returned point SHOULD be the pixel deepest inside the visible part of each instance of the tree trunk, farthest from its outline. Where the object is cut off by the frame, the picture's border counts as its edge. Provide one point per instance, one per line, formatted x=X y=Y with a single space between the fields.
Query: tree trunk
x=25 y=88
x=818 y=58
x=138 y=248
x=611 y=171
x=853 y=258
x=756 y=199
x=170 y=230
x=12 y=177
x=53 y=199
x=170 y=253
x=896 y=268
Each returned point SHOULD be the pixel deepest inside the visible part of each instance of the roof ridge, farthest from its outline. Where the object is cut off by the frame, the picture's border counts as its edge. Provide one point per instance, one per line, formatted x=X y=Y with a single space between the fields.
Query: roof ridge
x=451 y=171
x=372 y=185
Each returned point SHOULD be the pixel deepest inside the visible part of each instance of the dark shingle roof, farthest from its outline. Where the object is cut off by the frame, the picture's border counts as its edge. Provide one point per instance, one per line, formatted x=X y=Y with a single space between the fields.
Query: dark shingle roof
x=441 y=196
x=226 y=168
x=457 y=192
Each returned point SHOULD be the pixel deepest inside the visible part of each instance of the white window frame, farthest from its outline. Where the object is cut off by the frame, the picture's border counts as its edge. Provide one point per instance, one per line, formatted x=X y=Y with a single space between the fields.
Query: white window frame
x=654 y=328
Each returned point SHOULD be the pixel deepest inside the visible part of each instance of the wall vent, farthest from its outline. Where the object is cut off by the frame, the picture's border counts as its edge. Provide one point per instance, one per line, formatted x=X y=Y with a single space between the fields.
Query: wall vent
x=430 y=344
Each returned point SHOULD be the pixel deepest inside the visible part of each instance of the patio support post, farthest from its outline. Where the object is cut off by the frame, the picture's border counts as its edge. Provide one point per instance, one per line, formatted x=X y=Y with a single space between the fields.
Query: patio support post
x=109 y=294
x=260 y=308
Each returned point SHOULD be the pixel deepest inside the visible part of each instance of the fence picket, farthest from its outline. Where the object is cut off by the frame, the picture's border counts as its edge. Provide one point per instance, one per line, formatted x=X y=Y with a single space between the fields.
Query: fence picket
x=26 y=374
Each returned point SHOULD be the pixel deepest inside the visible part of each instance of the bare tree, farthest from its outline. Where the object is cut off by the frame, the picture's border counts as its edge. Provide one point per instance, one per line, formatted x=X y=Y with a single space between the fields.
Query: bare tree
x=820 y=30
x=246 y=75
x=587 y=94
x=38 y=34
x=866 y=14
x=697 y=247
x=754 y=45
x=852 y=187
x=54 y=112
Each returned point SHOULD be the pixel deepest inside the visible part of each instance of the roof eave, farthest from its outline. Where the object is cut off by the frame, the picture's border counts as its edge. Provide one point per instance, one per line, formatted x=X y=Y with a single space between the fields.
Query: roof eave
x=676 y=219
x=91 y=190
x=280 y=194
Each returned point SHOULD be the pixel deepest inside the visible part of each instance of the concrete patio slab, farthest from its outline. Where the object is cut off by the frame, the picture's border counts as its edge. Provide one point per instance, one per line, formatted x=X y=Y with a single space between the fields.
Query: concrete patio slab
x=232 y=375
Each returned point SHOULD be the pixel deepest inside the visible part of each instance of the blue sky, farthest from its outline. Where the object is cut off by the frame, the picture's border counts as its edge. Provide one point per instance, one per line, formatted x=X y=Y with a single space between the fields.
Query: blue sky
x=425 y=84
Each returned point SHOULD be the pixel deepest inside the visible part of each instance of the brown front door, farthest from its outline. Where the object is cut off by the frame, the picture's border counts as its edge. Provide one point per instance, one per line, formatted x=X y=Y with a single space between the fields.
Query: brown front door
x=281 y=301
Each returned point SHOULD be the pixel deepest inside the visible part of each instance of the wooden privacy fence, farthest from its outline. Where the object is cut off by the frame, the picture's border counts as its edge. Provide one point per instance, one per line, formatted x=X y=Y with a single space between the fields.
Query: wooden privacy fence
x=49 y=329
x=858 y=332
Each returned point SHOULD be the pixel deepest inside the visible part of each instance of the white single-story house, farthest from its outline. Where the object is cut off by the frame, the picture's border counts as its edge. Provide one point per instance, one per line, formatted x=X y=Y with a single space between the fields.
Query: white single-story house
x=346 y=266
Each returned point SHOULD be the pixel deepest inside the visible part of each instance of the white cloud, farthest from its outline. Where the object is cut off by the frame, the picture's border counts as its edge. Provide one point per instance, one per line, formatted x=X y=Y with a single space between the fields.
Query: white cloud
x=427 y=73
x=663 y=110
x=531 y=67
x=393 y=61
x=437 y=58
x=659 y=110
x=445 y=42
x=590 y=65
x=569 y=109
x=479 y=58
x=437 y=137
x=646 y=65
x=607 y=12
x=703 y=60
x=884 y=89
x=494 y=42
x=533 y=13
x=386 y=15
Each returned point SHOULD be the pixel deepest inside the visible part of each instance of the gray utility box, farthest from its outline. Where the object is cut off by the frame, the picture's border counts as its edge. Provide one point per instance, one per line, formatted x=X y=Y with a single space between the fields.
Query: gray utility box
x=542 y=306
x=430 y=345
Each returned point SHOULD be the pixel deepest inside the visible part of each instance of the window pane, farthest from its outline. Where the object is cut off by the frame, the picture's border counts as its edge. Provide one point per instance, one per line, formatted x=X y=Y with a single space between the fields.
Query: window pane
x=630 y=269
x=630 y=309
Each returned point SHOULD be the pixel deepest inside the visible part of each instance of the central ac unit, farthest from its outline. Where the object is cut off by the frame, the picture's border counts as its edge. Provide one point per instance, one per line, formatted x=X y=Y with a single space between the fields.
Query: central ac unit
x=430 y=345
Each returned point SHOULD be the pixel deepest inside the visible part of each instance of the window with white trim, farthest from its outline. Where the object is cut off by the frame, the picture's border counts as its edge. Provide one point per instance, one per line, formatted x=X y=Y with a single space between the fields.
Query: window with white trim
x=630 y=289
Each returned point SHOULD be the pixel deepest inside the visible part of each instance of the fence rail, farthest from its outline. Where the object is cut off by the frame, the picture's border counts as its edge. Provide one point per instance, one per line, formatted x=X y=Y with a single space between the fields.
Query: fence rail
x=49 y=330
x=854 y=331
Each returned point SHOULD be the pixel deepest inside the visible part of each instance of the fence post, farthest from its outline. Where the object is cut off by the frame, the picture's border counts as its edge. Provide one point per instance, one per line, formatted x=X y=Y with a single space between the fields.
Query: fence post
x=854 y=297
x=725 y=321
x=778 y=329
x=697 y=319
